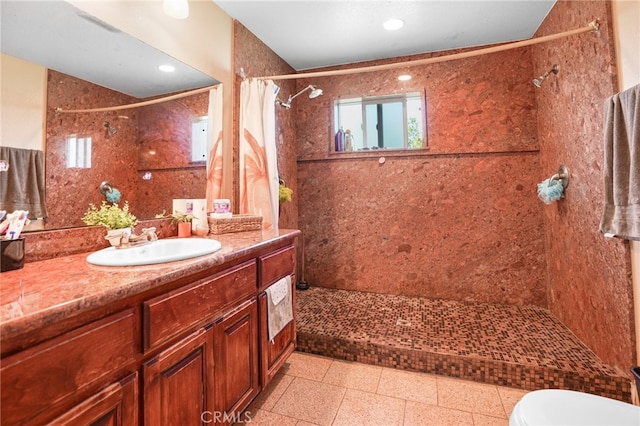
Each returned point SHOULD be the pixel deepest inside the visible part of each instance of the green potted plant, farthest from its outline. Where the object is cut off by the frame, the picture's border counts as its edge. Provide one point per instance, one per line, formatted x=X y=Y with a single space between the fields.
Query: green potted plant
x=184 y=222
x=118 y=220
x=284 y=194
x=111 y=216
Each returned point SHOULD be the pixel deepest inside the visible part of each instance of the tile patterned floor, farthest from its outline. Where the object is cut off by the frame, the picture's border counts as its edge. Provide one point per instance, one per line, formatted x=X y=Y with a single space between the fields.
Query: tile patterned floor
x=316 y=390
x=520 y=347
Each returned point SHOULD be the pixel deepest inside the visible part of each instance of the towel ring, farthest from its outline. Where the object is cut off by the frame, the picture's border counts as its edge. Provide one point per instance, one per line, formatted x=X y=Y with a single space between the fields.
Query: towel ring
x=106 y=187
x=562 y=176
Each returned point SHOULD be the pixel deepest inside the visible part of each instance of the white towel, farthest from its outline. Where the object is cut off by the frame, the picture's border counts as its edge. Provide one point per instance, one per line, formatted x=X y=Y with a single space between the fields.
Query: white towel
x=621 y=216
x=280 y=290
x=279 y=306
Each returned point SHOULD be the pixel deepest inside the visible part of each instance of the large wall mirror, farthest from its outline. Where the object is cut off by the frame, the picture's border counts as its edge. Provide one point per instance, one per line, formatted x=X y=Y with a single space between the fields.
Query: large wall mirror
x=146 y=152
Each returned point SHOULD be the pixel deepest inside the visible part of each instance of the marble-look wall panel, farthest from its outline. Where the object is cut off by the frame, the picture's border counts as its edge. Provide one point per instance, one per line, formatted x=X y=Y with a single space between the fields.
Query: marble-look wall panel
x=166 y=185
x=462 y=96
x=154 y=138
x=589 y=275
x=50 y=244
x=164 y=154
x=113 y=157
x=463 y=221
x=455 y=227
x=164 y=132
x=255 y=59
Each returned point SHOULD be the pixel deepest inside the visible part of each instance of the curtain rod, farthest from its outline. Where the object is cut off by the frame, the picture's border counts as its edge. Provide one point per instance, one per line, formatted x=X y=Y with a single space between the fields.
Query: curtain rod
x=593 y=26
x=139 y=104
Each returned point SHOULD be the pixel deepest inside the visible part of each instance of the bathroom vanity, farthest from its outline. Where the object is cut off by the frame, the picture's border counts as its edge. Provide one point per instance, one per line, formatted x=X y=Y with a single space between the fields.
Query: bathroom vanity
x=181 y=343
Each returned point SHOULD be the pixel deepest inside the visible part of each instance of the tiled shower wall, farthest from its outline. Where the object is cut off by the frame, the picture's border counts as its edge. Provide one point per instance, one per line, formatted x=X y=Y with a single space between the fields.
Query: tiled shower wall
x=461 y=221
x=589 y=275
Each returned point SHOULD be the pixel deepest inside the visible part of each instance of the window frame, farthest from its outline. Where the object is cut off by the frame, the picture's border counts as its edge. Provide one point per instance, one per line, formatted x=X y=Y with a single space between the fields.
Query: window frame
x=202 y=123
x=78 y=151
x=403 y=97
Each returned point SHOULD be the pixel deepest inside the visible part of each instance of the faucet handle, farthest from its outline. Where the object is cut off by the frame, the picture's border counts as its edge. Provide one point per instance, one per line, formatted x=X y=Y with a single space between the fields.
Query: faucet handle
x=150 y=233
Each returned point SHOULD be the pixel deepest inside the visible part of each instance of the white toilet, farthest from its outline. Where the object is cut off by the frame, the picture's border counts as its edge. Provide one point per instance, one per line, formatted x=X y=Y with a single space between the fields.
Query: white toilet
x=563 y=408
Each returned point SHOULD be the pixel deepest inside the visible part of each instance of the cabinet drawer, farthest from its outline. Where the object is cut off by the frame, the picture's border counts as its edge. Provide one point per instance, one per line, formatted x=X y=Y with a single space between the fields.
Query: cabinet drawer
x=179 y=311
x=277 y=265
x=40 y=377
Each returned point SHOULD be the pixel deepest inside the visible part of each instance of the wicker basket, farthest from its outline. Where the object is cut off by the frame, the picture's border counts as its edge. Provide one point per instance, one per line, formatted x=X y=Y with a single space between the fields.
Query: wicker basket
x=237 y=223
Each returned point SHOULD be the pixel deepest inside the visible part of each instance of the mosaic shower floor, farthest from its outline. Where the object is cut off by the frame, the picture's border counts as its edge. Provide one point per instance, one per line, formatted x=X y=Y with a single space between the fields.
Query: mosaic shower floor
x=522 y=347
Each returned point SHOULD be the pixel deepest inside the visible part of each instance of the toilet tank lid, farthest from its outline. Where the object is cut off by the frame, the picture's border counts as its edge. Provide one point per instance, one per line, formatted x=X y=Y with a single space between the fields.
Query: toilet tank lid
x=565 y=407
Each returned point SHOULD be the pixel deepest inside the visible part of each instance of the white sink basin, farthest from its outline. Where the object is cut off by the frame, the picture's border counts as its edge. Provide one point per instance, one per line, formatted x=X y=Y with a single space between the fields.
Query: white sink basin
x=159 y=251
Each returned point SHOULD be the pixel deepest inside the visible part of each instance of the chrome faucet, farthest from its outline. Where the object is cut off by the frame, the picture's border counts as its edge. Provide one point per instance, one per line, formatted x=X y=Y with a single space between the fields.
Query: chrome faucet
x=148 y=235
x=124 y=240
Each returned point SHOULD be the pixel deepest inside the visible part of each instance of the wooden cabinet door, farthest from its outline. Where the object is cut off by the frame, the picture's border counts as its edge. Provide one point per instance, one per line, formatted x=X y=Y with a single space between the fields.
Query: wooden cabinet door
x=178 y=382
x=115 y=405
x=236 y=360
x=43 y=381
x=274 y=353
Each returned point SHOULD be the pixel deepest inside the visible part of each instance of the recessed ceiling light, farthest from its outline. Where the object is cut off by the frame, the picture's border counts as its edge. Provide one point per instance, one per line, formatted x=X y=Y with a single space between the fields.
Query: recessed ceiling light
x=393 y=24
x=404 y=77
x=167 y=68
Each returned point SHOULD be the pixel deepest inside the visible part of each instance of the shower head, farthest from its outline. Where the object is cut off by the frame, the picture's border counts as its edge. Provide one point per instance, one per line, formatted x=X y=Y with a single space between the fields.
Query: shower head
x=538 y=81
x=110 y=130
x=315 y=92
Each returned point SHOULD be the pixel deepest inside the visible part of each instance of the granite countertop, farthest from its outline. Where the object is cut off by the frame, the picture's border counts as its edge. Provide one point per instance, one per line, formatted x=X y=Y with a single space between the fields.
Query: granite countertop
x=49 y=290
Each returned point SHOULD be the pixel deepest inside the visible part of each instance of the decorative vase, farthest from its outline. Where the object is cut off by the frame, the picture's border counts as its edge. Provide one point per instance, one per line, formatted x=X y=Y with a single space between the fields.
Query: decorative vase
x=184 y=229
x=117 y=237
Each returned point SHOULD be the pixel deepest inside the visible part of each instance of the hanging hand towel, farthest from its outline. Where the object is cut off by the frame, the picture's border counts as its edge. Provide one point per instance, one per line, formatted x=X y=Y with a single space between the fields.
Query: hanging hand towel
x=621 y=216
x=22 y=186
x=279 y=306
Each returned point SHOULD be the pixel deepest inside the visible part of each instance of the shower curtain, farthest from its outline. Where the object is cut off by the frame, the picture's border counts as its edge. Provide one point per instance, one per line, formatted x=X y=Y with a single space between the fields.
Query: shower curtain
x=258 y=156
x=214 y=147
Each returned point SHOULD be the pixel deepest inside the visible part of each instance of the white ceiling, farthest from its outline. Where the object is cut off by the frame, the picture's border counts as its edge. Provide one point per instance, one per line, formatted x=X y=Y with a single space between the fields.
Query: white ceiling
x=55 y=34
x=316 y=33
x=305 y=33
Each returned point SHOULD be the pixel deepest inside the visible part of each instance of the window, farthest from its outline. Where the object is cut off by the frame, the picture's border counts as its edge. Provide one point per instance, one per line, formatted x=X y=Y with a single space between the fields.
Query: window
x=385 y=122
x=78 y=152
x=199 y=132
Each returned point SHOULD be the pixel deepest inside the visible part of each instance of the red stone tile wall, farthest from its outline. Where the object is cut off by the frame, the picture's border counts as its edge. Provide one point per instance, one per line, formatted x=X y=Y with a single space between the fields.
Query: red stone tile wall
x=164 y=129
x=589 y=275
x=462 y=97
x=460 y=222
